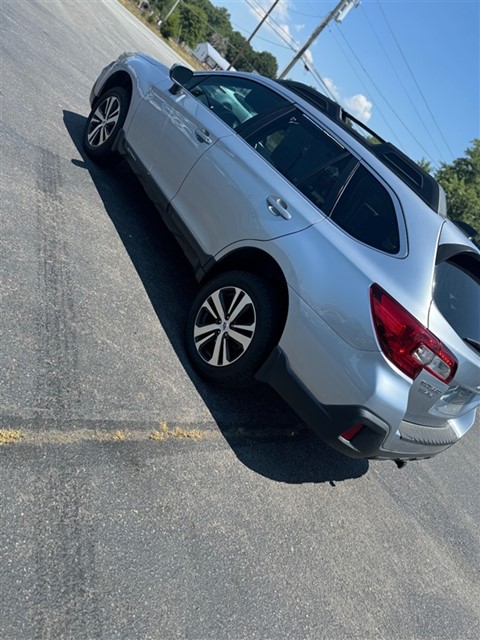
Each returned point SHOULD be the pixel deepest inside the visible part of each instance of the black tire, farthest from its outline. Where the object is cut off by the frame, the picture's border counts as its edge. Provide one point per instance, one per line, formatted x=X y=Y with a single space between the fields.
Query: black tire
x=103 y=124
x=232 y=327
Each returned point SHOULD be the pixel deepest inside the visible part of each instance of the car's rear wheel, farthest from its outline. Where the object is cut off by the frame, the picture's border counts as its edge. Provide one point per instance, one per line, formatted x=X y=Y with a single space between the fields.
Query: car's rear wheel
x=104 y=122
x=232 y=327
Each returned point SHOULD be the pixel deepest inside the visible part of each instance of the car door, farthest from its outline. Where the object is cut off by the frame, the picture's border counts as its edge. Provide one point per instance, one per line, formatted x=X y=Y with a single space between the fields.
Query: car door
x=174 y=126
x=271 y=181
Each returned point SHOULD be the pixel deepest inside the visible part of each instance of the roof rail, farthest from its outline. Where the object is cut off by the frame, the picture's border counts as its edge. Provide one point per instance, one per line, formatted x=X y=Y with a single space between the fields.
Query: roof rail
x=421 y=182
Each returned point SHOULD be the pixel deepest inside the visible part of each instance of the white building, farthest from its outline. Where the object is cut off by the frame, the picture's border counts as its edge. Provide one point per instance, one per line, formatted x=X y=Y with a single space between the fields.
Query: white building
x=208 y=55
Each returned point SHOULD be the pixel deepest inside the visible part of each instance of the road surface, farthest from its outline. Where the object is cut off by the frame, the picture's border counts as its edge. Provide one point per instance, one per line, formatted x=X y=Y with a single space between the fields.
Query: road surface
x=136 y=501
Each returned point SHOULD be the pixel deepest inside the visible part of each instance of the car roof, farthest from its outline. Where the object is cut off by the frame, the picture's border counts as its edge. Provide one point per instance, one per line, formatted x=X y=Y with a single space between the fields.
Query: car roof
x=421 y=182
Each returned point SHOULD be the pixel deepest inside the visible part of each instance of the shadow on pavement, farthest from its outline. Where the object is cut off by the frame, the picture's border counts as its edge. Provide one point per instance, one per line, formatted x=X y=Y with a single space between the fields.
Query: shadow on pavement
x=264 y=433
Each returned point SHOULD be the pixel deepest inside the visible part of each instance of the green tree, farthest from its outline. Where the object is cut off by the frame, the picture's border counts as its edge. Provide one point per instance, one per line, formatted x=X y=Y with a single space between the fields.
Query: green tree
x=461 y=181
x=219 y=42
x=220 y=21
x=194 y=25
x=264 y=63
x=425 y=164
x=162 y=7
x=171 y=27
x=235 y=44
x=217 y=19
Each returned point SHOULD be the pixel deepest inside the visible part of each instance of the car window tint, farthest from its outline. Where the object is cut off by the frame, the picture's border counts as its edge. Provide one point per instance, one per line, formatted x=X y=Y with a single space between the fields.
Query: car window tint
x=306 y=155
x=366 y=211
x=234 y=100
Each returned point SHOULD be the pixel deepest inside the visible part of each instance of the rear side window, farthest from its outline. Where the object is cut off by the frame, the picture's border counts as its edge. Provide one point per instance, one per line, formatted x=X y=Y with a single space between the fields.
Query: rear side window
x=305 y=154
x=457 y=296
x=366 y=211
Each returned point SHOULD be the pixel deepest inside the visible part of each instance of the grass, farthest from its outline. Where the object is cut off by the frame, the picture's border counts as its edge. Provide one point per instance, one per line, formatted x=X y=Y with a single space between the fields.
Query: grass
x=132 y=6
x=178 y=432
x=10 y=436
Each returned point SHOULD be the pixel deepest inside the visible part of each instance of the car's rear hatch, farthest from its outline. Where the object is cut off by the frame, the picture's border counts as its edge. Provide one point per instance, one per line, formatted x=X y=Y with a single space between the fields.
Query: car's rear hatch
x=454 y=319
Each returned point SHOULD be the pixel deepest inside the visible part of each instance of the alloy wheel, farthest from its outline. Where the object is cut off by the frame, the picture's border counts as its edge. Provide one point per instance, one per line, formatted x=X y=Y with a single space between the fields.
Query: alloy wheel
x=225 y=326
x=103 y=121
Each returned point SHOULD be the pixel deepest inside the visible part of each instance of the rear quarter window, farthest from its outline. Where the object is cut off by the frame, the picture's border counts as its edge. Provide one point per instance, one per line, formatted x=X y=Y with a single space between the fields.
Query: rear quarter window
x=457 y=295
x=366 y=211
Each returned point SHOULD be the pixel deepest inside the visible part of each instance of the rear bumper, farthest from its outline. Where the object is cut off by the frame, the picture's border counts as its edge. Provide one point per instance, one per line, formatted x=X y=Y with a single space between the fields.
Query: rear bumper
x=376 y=440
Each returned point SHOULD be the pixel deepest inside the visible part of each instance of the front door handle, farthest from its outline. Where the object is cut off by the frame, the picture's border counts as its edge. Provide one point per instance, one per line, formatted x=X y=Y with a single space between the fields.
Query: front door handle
x=278 y=207
x=203 y=136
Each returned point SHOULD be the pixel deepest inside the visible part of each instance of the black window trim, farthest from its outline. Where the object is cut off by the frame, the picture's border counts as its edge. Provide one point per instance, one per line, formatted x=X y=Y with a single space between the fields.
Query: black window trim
x=402 y=229
x=268 y=120
x=243 y=130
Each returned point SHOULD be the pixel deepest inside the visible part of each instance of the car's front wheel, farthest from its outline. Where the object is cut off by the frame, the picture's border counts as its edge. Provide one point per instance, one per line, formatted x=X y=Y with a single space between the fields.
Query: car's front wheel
x=232 y=327
x=104 y=122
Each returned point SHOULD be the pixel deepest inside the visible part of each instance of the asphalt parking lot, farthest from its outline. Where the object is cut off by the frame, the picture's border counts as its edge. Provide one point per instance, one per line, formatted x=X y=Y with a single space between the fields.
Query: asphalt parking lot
x=136 y=500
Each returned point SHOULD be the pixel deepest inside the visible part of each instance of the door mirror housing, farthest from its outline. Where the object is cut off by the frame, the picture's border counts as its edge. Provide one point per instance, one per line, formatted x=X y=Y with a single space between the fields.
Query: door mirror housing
x=180 y=75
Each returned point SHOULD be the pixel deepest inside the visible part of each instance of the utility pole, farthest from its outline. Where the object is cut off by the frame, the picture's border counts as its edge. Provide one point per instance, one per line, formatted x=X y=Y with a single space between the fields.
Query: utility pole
x=340 y=11
x=159 y=23
x=243 y=47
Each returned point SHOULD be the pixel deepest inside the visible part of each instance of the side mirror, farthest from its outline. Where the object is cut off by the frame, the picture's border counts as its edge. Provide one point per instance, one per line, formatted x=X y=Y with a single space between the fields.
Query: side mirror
x=180 y=75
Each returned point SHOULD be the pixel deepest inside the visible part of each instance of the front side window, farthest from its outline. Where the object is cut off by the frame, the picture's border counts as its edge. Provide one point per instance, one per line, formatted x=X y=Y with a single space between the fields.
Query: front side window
x=366 y=211
x=234 y=100
x=305 y=154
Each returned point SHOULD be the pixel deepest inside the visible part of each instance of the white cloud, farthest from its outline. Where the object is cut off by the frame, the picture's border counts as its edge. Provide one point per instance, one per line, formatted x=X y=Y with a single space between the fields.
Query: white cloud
x=332 y=87
x=360 y=107
x=256 y=11
x=280 y=13
x=281 y=10
x=285 y=30
x=261 y=7
x=308 y=57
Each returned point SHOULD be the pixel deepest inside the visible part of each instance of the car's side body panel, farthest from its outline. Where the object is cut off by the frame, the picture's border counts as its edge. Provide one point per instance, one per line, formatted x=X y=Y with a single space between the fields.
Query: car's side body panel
x=169 y=133
x=238 y=209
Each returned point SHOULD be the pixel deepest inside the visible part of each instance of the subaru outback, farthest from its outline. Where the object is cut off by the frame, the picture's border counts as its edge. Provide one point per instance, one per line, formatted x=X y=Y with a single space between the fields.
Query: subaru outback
x=328 y=267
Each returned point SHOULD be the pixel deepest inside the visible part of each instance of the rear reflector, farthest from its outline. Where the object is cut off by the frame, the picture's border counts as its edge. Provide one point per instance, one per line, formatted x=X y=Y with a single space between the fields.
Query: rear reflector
x=406 y=342
x=351 y=433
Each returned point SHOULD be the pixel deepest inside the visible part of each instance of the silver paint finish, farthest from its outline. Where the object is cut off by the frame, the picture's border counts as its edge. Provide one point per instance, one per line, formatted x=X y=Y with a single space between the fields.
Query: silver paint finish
x=229 y=197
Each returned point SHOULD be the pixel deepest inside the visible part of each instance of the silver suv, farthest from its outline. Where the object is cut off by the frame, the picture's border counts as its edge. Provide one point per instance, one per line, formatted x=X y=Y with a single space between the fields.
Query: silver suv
x=328 y=267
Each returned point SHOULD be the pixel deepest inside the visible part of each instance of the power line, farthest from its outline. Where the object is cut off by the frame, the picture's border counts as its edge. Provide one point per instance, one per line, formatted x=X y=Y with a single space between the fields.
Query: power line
x=205 y=20
x=309 y=65
x=321 y=81
x=274 y=44
x=290 y=41
x=306 y=15
x=365 y=13
x=341 y=9
x=414 y=79
x=382 y=96
x=247 y=41
x=347 y=58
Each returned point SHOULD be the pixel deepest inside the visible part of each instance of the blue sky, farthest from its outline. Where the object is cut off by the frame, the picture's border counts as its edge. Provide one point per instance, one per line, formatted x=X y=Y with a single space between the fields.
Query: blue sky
x=409 y=69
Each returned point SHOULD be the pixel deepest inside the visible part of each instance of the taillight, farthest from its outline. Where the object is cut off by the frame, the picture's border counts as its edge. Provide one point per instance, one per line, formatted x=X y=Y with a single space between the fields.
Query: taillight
x=406 y=342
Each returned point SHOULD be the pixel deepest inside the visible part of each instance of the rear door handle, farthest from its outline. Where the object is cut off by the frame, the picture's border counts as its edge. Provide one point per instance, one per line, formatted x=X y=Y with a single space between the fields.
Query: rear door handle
x=203 y=135
x=278 y=207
